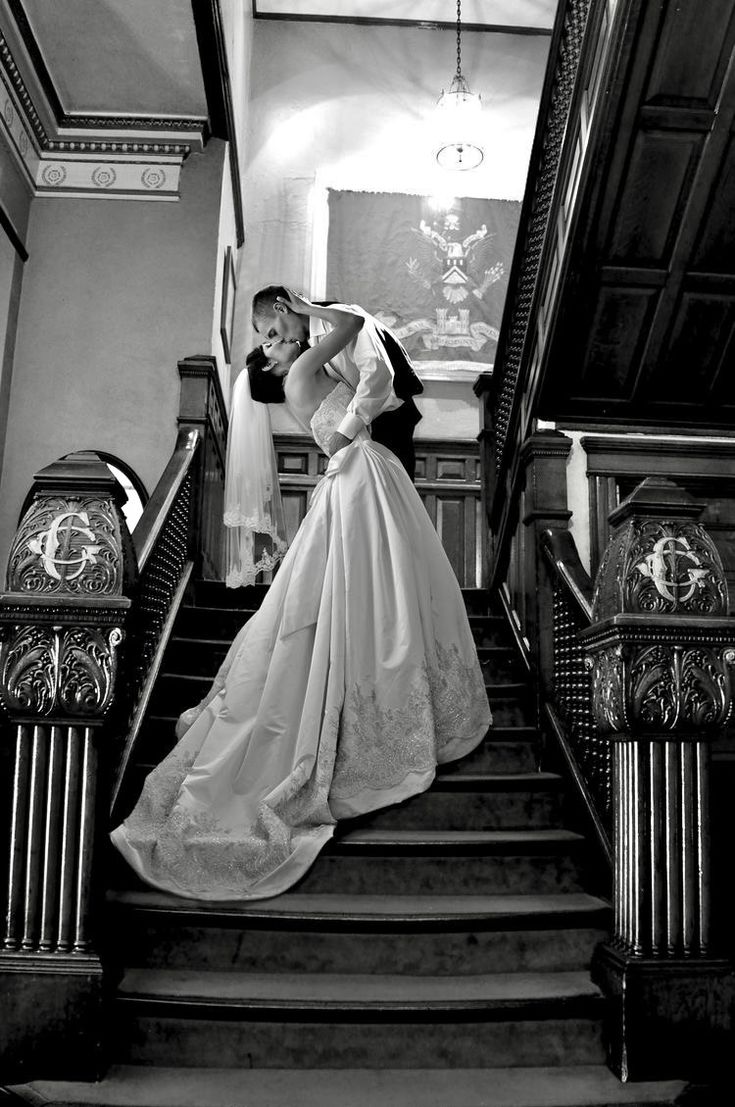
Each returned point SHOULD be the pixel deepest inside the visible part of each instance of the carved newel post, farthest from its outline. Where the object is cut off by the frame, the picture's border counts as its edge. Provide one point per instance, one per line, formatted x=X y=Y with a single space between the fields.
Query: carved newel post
x=62 y=617
x=661 y=650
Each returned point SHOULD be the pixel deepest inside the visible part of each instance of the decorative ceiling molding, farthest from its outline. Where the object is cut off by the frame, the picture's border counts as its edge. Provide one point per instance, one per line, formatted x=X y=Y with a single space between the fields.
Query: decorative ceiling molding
x=67 y=154
x=532 y=17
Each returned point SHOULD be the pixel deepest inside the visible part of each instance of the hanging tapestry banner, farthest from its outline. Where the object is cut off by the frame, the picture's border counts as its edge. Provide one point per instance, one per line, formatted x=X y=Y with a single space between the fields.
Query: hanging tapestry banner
x=437 y=276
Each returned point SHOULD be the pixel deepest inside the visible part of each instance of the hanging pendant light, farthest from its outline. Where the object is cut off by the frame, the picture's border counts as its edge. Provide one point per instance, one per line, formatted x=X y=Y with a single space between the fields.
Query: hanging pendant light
x=458 y=118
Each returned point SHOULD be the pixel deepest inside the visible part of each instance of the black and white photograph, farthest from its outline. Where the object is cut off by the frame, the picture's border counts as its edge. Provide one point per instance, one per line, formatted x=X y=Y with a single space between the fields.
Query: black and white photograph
x=367 y=542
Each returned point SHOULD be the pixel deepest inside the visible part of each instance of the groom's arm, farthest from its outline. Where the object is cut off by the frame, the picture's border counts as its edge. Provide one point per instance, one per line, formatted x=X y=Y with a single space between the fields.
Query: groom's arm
x=374 y=386
x=374 y=391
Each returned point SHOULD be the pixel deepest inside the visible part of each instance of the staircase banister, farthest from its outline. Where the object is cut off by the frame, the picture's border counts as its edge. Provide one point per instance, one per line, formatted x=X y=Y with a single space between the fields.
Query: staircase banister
x=562 y=554
x=156 y=511
x=570 y=121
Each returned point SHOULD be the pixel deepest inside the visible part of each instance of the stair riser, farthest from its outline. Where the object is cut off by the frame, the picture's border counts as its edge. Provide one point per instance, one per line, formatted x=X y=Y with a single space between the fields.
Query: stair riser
x=157 y=739
x=496 y=757
x=341 y=1044
x=205 y=660
x=211 y=593
x=448 y=876
x=470 y=811
x=202 y=660
x=435 y=810
x=224 y=625
x=511 y=711
x=490 y=633
x=501 y=665
x=205 y=623
x=173 y=694
x=222 y=949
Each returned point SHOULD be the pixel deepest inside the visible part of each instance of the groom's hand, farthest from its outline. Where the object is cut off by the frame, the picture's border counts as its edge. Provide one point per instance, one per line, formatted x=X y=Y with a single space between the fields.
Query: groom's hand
x=338 y=442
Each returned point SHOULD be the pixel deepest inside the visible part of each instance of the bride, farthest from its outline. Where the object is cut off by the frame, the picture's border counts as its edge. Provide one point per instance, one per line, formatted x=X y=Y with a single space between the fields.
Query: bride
x=357 y=676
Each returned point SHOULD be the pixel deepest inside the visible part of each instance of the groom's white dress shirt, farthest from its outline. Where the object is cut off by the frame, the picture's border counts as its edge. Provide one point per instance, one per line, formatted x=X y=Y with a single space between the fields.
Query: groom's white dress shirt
x=364 y=366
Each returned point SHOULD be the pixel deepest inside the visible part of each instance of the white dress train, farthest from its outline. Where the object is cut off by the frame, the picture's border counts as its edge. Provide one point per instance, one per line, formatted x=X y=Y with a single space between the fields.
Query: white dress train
x=356 y=677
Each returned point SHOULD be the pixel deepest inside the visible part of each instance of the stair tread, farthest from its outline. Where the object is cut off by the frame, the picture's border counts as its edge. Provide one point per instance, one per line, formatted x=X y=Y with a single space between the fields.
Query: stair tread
x=455 y=837
x=152 y=1086
x=408 y=908
x=355 y=990
x=484 y=780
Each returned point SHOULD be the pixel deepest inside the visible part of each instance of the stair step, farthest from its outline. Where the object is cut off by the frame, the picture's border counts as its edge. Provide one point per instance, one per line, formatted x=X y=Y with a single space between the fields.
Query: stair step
x=457 y=843
x=498 y=782
x=192 y=655
x=494 y=756
x=382 y=934
x=445 y=862
x=195 y=656
x=144 y=1086
x=214 y=622
x=342 y=912
x=214 y=593
x=490 y=630
x=523 y=994
x=475 y=802
x=355 y=1020
x=511 y=749
x=510 y=702
x=500 y=663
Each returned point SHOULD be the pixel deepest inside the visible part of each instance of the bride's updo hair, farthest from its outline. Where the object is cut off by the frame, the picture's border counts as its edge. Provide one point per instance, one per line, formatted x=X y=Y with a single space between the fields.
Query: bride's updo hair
x=264 y=386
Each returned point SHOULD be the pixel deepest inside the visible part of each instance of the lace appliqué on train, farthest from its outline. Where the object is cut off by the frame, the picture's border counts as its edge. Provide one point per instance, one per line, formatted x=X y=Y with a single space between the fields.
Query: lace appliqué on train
x=380 y=744
x=204 y=855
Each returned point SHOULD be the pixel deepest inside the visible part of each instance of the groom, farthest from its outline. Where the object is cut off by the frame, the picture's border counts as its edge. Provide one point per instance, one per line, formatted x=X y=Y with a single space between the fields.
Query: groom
x=380 y=372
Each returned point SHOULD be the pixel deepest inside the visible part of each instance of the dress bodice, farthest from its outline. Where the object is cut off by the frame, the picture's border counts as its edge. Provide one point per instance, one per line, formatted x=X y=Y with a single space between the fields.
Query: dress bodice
x=329 y=415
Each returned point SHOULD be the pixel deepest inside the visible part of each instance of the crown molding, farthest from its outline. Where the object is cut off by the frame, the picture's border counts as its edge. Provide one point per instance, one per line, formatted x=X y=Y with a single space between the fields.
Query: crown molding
x=66 y=154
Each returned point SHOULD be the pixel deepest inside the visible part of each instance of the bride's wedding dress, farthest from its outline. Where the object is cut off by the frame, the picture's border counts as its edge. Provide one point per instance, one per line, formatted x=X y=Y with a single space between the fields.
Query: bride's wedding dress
x=340 y=695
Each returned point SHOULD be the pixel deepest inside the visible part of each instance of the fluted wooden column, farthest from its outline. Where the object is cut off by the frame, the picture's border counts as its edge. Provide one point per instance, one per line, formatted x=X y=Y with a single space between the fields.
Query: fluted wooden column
x=62 y=619
x=661 y=653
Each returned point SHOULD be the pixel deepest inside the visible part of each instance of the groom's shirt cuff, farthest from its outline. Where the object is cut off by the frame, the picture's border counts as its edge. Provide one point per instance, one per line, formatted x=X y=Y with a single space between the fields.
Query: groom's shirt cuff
x=350 y=426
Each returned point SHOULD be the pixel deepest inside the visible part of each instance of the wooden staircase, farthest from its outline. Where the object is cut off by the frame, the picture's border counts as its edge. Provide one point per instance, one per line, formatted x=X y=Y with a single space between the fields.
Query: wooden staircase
x=436 y=953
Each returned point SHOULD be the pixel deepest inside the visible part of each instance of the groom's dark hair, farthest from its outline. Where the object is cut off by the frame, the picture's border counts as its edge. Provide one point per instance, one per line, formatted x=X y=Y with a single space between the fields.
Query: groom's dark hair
x=264 y=301
x=264 y=386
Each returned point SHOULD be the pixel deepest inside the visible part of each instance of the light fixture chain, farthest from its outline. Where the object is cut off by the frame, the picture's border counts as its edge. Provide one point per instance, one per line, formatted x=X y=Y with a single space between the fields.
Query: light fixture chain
x=459 y=38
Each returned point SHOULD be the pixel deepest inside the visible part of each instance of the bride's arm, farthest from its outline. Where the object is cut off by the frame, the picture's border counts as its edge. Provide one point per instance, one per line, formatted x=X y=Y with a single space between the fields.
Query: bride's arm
x=346 y=325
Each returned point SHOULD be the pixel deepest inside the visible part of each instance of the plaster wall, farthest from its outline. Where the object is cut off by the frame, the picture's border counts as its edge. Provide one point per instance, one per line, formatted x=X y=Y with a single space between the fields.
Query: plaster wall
x=340 y=106
x=15 y=197
x=115 y=293
x=238 y=26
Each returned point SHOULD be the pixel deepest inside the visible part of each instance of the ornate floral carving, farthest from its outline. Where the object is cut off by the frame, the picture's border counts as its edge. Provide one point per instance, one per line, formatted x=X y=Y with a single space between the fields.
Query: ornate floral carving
x=53 y=175
x=153 y=177
x=28 y=672
x=608 y=699
x=657 y=687
x=49 y=670
x=67 y=547
x=104 y=176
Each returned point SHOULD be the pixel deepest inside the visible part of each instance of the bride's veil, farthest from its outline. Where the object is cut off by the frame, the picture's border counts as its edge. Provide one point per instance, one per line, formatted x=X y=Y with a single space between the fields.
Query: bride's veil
x=255 y=531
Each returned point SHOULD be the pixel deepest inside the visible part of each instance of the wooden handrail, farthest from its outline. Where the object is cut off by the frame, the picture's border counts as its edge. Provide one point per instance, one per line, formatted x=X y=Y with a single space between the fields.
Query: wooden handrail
x=561 y=552
x=568 y=710
x=162 y=541
x=155 y=514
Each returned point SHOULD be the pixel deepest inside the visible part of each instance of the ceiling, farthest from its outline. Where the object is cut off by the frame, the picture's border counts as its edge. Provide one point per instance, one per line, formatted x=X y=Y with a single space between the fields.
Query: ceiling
x=127 y=57
x=645 y=330
x=502 y=15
